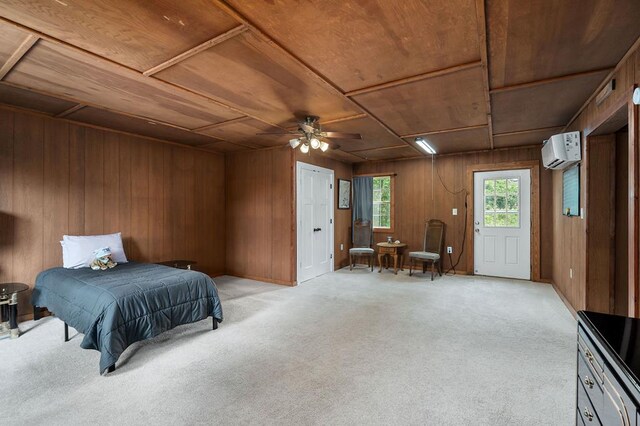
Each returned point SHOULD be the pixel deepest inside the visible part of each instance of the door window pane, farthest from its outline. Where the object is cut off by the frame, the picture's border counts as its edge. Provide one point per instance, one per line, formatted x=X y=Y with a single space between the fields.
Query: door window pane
x=502 y=203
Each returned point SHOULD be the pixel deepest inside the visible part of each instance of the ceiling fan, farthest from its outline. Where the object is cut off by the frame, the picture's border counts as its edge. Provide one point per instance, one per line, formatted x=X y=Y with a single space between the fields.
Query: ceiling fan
x=311 y=135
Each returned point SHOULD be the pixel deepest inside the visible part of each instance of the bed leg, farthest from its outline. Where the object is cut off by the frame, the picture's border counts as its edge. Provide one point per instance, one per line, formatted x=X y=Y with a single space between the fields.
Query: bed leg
x=66 y=332
x=36 y=313
x=215 y=323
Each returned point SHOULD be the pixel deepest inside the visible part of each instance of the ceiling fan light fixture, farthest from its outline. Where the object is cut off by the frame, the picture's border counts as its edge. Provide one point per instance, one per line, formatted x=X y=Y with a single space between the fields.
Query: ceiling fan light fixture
x=315 y=143
x=294 y=143
x=324 y=146
x=425 y=146
x=304 y=148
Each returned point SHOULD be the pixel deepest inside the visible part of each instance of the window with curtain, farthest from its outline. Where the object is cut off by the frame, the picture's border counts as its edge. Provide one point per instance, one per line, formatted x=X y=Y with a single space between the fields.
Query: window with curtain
x=383 y=202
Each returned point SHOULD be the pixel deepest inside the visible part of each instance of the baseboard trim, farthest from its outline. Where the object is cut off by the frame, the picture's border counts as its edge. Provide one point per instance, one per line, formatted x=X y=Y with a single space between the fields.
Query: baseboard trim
x=564 y=299
x=263 y=279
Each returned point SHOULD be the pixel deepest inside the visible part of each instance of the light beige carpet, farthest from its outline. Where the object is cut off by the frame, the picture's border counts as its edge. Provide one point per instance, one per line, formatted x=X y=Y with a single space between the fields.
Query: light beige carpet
x=346 y=348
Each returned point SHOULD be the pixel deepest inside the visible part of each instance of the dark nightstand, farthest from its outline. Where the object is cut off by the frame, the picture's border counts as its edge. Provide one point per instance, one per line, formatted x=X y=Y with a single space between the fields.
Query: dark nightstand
x=9 y=308
x=180 y=264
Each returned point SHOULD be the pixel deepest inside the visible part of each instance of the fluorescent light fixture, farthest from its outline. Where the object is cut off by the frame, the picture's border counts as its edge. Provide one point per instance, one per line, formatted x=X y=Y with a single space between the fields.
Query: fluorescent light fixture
x=304 y=148
x=315 y=143
x=324 y=146
x=425 y=146
x=294 y=143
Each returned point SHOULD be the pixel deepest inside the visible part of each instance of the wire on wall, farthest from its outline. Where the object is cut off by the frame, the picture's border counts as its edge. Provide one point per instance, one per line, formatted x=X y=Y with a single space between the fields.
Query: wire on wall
x=453 y=192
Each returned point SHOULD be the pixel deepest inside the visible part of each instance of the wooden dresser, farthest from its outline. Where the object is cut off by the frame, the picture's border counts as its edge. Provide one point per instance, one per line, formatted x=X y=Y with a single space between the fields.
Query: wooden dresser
x=608 y=370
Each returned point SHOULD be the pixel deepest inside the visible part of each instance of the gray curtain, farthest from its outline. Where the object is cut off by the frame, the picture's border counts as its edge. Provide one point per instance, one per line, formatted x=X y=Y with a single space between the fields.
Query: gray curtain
x=362 y=198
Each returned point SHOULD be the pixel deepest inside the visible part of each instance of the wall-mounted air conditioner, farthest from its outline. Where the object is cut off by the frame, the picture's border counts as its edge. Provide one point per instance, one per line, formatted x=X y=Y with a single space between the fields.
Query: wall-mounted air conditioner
x=561 y=151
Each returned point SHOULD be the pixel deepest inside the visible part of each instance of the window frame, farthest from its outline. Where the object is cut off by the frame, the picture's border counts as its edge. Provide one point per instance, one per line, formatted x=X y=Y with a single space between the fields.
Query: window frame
x=392 y=204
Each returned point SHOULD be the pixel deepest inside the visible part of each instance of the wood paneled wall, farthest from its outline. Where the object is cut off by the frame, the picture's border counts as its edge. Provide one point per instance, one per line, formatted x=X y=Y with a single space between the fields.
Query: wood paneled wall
x=61 y=178
x=600 y=195
x=569 y=241
x=261 y=208
x=260 y=226
x=422 y=195
x=621 y=291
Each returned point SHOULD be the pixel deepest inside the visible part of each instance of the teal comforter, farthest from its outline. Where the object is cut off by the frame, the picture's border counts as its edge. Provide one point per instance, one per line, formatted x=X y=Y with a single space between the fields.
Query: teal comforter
x=126 y=304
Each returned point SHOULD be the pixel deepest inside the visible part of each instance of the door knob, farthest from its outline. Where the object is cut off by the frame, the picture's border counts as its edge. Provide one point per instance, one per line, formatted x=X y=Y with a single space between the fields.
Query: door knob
x=317 y=229
x=477 y=230
x=477 y=222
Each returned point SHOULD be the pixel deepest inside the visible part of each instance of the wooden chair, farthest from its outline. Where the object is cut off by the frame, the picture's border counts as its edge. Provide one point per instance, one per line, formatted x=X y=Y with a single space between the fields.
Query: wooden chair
x=362 y=241
x=432 y=249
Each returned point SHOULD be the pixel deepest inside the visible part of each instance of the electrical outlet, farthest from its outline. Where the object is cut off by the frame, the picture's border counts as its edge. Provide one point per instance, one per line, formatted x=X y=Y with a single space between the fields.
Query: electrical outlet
x=341 y=247
x=570 y=272
x=449 y=249
x=454 y=212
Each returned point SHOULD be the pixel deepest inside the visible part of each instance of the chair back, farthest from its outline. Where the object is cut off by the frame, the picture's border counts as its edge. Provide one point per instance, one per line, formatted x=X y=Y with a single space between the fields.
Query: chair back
x=433 y=236
x=362 y=233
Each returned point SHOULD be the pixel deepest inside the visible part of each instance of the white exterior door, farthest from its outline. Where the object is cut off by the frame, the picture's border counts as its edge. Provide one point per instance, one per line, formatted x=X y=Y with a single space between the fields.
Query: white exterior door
x=315 y=221
x=502 y=223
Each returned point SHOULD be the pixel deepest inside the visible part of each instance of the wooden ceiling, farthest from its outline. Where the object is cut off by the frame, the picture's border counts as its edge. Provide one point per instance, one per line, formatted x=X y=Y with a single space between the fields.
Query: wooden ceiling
x=464 y=74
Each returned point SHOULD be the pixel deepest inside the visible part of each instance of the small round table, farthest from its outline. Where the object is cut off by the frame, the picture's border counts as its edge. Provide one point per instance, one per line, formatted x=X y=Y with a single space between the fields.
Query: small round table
x=9 y=308
x=394 y=250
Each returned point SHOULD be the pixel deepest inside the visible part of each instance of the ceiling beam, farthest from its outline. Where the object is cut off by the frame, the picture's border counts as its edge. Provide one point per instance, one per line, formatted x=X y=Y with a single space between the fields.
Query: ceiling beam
x=481 y=19
x=221 y=124
x=523 y=132
x=18 y=54
x=342 y=119
x=452 y=130
x=549 y=80
x=417 y=77
x=307 y=68
x=197 y=49
x=88 y=104
x=70 y=110
x=130 y=70
x=380 y=148
x=212 y=144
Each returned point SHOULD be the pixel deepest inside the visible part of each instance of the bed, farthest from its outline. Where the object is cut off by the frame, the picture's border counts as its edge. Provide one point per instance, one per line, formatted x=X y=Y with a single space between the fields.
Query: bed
x=131 y=302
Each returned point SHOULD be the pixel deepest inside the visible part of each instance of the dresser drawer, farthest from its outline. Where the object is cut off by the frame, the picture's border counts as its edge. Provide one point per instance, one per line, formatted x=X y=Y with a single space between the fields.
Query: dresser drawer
x=585 y=409
x=579 y=419
x=592 y=357
x=614 y=410
x=591 y=384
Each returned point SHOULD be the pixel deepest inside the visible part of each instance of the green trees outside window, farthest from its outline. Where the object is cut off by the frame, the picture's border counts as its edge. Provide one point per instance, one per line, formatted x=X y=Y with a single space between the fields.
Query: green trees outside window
x=382 y=202
x=502 y=203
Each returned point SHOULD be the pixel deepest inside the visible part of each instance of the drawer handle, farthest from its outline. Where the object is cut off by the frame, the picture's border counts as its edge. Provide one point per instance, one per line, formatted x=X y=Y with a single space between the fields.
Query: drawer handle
x=588 y=382
x=588 y=414
x=589 y=355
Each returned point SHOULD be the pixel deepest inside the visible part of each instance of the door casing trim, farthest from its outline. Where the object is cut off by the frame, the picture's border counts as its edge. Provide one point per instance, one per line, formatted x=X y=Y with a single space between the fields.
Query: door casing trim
x=534 y=167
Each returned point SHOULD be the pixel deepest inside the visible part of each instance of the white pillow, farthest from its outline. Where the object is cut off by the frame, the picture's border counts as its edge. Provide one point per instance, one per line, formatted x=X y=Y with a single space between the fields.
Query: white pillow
x=77 y=250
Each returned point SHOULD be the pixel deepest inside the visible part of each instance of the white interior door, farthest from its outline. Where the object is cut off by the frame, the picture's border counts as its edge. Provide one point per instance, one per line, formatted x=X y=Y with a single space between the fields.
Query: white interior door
x=502 y=223
x=315 y=220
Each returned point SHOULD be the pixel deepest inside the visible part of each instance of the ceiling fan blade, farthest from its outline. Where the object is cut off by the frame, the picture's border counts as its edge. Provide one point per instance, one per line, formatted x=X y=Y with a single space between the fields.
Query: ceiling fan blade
x=307 y=127
x=340 y=135
x=284 y=132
